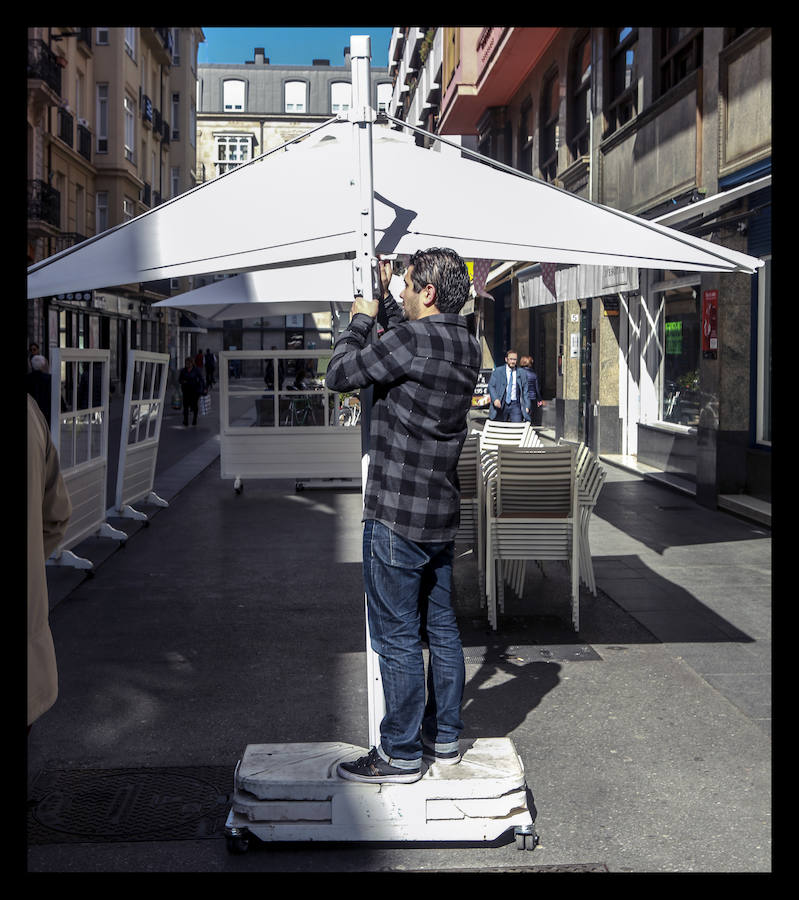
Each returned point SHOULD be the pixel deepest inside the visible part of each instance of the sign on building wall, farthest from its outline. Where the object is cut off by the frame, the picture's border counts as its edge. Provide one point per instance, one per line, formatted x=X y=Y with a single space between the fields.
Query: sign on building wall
x=710 y=340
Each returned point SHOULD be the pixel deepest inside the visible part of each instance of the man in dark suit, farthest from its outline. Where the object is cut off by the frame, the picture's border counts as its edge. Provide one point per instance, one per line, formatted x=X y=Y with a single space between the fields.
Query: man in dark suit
x=508 y=390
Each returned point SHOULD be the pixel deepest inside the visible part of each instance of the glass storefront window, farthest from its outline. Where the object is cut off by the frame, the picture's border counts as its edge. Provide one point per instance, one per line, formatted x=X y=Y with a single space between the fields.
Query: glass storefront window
x=764 y=354
x=681 y=353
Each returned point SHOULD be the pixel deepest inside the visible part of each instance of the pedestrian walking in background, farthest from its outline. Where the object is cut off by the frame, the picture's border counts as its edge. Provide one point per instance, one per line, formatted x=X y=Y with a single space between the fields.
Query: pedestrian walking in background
x=39 y=385
x=533 y=391
x=49 y=509
x=192 y=386
x=508 y=392
x=422 y=371
x=210 y=368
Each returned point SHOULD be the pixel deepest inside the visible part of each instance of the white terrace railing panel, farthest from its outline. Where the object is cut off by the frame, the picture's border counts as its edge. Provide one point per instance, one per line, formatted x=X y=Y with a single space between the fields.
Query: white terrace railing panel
x=79 y=428
x=143 y=413
x=279 y=420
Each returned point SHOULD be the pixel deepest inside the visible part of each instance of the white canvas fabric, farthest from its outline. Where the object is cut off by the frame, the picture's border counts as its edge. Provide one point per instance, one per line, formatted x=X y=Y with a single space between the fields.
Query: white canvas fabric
x=301 y=204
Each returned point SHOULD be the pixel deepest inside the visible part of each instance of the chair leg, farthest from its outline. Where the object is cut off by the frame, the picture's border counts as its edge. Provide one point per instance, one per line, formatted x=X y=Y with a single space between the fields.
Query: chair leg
x=575 y=591
x=586 y=562
x=491 y=581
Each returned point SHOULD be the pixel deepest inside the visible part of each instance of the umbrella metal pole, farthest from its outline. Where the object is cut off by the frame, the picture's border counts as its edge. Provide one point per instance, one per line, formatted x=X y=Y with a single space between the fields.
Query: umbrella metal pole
x=367 y=279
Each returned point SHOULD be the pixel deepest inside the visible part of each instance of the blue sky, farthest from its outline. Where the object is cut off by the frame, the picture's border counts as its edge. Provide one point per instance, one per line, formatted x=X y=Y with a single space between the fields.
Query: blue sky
x=289 y=46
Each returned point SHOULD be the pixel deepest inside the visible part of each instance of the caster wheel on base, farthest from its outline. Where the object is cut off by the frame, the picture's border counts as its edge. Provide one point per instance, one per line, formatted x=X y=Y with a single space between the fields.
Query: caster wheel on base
x=238 y=842
x=526 y=838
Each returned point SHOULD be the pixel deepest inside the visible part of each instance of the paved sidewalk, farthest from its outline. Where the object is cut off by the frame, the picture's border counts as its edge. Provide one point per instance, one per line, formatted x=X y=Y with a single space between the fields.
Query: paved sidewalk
x=235 y=619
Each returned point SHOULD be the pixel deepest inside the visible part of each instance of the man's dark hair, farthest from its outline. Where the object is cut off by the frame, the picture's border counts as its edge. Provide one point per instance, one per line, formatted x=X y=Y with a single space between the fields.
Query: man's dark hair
x=446 y=271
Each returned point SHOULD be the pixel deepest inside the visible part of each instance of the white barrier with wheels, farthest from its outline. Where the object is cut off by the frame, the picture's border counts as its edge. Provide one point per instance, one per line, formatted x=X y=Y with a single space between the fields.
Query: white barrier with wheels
x=80 y=435
x=143 y=413
x=271 y=429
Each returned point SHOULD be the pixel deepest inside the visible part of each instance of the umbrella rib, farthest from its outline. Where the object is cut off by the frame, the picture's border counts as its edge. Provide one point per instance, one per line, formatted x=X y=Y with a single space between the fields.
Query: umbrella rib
x=230 y=254
x=625 y=255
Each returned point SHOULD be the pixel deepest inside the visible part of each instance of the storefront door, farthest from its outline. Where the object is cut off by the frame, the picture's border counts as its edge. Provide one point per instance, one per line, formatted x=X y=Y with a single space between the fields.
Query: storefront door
x=585 y=419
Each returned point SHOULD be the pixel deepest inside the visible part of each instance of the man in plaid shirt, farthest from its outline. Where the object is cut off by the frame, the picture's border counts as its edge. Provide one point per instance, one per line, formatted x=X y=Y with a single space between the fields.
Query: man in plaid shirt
x=422 y=371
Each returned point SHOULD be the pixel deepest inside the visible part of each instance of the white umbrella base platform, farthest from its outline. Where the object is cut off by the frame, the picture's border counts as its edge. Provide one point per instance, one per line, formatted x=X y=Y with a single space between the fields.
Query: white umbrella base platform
x=292 y=792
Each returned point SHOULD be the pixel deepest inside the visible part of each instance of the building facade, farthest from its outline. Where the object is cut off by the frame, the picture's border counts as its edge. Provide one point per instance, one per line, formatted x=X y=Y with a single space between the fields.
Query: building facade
x=245 y=110
x=669 y=371
x=111 y=134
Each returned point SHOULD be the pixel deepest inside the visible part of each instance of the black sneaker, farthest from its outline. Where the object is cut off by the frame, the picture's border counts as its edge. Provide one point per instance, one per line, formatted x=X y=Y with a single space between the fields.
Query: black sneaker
x=373 y=769
x=447 y=758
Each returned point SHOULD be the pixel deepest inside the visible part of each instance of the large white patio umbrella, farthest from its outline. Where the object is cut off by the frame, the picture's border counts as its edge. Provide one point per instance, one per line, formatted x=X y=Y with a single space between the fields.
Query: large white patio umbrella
x=302 y=202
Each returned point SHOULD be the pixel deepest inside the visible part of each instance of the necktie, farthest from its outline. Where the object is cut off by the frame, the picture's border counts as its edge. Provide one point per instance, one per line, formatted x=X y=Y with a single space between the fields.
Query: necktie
x=510 y=386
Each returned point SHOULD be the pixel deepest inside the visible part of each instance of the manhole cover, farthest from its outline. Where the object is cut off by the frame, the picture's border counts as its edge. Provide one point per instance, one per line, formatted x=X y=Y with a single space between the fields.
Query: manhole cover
x=109 y=805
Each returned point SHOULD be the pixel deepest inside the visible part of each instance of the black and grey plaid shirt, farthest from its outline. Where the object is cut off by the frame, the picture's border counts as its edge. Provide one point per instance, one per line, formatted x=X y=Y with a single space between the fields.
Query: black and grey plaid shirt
x=424 y=373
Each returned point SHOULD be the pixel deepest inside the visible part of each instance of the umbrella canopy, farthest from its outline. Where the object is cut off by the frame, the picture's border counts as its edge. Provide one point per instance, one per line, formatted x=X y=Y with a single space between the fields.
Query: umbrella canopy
x=301 y=204
x=275 y=292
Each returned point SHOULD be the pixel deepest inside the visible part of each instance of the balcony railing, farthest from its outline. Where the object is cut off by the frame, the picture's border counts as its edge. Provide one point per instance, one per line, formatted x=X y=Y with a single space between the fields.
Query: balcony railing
x=84 y=142
x=65 y=240
x=166 y=36
x=44 y=202
x=66 y=127
x=42 y=64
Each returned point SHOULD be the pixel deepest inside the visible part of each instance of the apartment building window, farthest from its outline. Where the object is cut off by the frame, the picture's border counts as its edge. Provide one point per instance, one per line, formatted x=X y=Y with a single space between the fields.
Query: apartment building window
x=101 y=37
x=622 y=77
x=232 y=150
x=384 y=92
x=233 y=92
x=550 y=136
x=192 y=123
x=128 y=208
x=130 y=127
x=174 y=180
x=101 y=211
x=680 y=54
x=732 y=34
x=175 y=46
x=176 y=117
x=294 y=94
x=130 y=42
x=340 y=96
x=102 y=118
x=580 y=96
x=525 y=138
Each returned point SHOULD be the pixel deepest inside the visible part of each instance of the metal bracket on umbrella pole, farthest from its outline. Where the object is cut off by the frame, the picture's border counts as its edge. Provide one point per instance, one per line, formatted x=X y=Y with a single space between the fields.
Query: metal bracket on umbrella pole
x=366 y=278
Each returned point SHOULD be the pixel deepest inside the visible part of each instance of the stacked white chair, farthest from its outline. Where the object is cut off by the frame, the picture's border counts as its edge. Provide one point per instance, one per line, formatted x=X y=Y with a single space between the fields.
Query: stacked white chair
x=590 y=479
x=532 y=512
x=471 y=494
x=495 y=434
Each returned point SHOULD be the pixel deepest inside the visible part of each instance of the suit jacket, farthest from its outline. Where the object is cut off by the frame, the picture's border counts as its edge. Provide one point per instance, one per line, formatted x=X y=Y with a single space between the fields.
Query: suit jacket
x=497 y=385
x=532 y=386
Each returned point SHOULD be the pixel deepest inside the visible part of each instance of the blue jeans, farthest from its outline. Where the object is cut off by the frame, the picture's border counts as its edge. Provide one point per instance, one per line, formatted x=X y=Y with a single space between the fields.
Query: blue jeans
x=408 y=589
